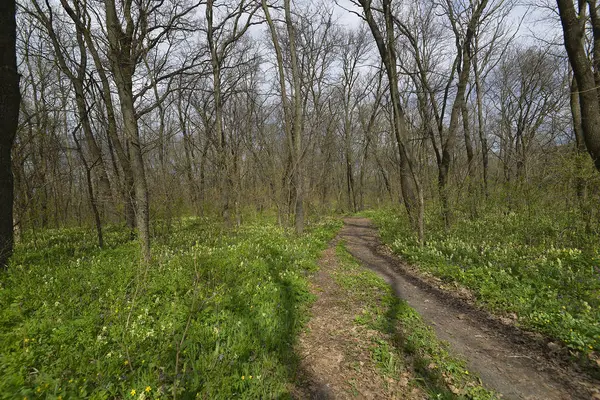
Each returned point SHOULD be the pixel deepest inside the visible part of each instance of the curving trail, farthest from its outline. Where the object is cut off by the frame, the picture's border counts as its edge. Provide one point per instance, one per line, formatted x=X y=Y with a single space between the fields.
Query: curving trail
x=506 y=360
x=335 y=355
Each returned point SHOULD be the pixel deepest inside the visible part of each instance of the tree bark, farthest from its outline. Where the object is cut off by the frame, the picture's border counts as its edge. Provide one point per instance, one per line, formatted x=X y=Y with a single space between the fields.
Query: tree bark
x=123 y=60
x=296 y=129
x=581 y=185
x=9 y=117
x=573 y=34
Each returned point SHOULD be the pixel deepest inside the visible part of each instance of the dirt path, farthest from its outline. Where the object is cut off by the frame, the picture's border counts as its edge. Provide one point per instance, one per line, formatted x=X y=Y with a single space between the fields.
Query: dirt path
x=336 y=361
x=507 y=362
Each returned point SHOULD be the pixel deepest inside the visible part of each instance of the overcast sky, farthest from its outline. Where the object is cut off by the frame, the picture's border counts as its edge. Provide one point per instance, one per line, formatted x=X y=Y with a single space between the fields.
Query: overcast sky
x=539 y=23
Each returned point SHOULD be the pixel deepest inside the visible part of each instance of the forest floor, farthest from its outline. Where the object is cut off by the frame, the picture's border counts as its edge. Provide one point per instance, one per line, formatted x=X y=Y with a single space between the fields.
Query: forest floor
x=337 y=354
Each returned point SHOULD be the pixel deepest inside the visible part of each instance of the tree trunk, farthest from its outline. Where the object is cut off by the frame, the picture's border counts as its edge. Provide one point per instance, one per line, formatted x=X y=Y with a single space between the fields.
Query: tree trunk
x=573 y=34
x=480 y=128
x=296 y=129
x=9 y=115
x=468 y=143
x=217 y=128
x=142 y=206
x=293 y=177
x=581 y=186
x=123 y=66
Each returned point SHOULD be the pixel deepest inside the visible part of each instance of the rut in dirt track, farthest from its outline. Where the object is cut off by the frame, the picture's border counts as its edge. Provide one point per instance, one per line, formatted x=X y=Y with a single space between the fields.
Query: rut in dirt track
x=514 y=370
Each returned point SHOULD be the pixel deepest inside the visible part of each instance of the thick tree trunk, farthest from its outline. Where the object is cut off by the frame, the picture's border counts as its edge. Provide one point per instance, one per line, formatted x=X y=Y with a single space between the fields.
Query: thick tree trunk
x=123 y=66
x=573 y=33
x=9 y=116
x=142 y=206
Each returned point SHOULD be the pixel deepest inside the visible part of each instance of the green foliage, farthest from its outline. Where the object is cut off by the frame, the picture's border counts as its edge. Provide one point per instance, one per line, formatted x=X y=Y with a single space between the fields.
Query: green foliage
x=442 y=375
x=214 y=316
x=539 y=266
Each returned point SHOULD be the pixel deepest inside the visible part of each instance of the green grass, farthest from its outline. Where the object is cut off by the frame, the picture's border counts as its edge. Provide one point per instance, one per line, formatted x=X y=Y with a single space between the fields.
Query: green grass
x=540 y=267
x=215 y=315
x=411 y=343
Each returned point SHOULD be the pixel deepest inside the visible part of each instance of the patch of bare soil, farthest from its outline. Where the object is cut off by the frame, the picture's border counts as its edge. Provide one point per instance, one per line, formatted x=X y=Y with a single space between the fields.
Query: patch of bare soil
x=514 y=363
x=336 y=361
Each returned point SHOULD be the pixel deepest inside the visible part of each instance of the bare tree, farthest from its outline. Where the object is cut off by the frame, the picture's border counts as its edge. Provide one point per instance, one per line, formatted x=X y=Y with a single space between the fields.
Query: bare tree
x=221 y=36
x=77 y=73
x=530 y=89
x=292 y=106
x=386 y=44
x=352 y=53
x=80 y=15
x=130 y=37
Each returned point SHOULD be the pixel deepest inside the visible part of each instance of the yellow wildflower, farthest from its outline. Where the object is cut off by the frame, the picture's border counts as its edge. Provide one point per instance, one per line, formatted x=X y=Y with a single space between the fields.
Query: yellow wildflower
x=132 y=392
x=250 y=377
x=126 y=362
x=148 y=389
x=243 y=377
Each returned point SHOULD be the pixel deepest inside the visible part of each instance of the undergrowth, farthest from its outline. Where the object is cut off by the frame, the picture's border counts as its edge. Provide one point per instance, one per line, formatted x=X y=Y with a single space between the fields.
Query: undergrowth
x=441 y=375
x=540 y=268
x=214 y=316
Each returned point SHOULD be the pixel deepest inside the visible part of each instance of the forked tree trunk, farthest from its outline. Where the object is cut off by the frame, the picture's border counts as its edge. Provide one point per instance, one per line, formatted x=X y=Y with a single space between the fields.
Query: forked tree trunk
x=122 y=61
